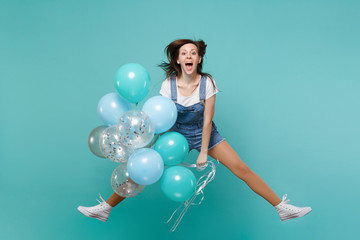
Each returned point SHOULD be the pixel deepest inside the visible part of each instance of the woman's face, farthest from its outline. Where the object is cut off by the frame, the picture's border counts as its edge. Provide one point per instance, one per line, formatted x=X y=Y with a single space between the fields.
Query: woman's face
x=188 y=58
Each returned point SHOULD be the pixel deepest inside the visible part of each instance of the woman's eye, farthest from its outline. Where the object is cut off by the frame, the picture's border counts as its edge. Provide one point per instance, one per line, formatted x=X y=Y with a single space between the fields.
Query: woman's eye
x=183 y=53
x=194 y=53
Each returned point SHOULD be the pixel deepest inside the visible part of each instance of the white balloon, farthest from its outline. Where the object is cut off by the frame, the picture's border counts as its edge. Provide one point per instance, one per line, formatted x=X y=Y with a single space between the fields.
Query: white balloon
x=112 y=148
x=135 y=129
x=122 y=184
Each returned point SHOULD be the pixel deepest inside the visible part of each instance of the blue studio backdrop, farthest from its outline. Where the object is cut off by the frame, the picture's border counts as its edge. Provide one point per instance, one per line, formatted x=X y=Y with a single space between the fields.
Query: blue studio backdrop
x=289 y=77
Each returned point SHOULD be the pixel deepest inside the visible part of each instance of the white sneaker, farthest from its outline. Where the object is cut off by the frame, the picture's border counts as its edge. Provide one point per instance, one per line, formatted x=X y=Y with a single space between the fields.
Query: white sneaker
x=287 y=211
x=100 y=211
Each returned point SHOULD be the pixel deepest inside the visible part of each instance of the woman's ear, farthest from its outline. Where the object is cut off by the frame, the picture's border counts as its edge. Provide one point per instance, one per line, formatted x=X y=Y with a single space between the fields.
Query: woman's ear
x=200 y=59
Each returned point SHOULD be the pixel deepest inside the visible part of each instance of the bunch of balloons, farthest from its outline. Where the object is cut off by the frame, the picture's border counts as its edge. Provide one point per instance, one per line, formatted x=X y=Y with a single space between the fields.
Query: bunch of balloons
x=132 y=138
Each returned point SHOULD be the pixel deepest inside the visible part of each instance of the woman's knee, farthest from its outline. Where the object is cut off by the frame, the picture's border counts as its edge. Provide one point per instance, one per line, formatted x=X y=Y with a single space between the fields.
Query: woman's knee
x=242 y=171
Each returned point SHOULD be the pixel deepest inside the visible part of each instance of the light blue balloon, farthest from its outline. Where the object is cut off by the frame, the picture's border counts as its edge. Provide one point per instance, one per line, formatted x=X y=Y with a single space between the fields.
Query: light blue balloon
x=132 y=81
x=178 y=183
x=111 y=107
x=145 y=166
x=162 y=112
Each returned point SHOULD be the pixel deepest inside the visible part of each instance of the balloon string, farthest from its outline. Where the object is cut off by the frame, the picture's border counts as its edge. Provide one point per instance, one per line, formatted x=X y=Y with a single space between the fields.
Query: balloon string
x=200 y=186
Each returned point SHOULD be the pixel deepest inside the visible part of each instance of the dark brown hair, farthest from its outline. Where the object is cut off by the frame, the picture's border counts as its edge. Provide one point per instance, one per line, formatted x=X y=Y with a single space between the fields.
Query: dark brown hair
x=172 y=53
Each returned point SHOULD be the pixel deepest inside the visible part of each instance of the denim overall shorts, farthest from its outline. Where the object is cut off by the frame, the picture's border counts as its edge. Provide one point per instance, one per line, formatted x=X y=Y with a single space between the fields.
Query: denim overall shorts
x=190 y=119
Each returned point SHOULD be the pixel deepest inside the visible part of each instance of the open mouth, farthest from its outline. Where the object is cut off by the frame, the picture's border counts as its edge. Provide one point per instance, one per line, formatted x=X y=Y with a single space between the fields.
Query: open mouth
x=189 y=66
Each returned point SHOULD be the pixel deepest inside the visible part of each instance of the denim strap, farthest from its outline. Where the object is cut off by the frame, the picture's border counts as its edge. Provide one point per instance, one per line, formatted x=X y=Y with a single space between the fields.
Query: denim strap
x=202 y=89
x=173 y=88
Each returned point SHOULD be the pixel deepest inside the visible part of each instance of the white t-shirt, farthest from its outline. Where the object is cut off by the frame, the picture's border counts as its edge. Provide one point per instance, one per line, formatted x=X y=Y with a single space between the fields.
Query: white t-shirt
x=190 y=100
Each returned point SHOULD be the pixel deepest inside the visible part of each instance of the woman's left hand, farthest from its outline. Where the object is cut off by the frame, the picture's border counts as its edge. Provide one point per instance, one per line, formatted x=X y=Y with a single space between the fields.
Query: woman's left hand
x=202 y=159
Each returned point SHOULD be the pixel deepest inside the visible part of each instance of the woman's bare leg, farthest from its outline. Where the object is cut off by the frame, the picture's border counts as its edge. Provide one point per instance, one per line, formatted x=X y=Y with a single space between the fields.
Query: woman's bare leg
x=227 y=156
x=114 y=200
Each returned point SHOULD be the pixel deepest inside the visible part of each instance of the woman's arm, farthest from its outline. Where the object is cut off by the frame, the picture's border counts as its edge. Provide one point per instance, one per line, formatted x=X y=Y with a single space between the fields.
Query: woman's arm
x=208 y=117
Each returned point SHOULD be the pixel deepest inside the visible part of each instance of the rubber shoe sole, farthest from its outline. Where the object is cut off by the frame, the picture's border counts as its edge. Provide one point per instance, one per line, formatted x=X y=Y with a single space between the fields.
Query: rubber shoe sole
x=297 y=215
x=89 y=214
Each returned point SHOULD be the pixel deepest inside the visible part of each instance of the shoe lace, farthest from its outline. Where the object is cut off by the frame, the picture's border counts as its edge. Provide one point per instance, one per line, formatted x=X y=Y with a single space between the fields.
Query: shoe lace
x=103 y=201
x=284 y=199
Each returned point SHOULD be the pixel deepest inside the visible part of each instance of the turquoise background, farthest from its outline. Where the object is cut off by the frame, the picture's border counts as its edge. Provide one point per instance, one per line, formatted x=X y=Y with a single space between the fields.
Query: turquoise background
x=289 y=106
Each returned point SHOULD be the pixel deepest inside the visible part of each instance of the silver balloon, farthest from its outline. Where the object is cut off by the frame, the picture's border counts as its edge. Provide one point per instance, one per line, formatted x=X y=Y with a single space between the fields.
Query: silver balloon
x=111 y=147
x=93 y=141
x=122 y=184
x=135 y=129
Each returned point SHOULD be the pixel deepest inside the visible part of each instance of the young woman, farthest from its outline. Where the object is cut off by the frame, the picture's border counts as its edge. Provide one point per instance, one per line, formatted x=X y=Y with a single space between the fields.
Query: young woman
x=194 y=93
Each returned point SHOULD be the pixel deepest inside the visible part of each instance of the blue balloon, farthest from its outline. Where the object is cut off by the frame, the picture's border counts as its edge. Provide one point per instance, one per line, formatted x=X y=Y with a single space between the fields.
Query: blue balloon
x=162 y=112
x=111 y=107
x=178 y=183
x=132 y=81
x=145 y=166
x=173 y=148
